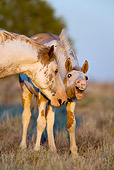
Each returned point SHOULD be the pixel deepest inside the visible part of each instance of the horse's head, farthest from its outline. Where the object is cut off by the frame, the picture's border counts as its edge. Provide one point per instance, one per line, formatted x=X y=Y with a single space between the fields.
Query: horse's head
x=75 y=80
x=45 y=75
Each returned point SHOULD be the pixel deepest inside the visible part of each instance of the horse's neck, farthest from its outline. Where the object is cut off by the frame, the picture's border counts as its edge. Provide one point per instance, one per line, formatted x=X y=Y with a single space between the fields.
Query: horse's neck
x=61 y=57
x=14 y=55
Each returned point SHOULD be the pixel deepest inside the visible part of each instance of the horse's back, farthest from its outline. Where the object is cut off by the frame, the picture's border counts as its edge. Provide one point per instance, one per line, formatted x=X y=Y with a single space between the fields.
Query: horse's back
x=44 y=38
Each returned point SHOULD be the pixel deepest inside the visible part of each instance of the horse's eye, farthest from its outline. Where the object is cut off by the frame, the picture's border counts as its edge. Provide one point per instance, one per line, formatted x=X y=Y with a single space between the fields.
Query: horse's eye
x=69 y=75
x=56 y=71
x=86 y=77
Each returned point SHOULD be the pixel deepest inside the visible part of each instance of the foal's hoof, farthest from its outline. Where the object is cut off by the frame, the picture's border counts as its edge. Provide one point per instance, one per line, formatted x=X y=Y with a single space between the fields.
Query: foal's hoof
x=36 y=148
x=53 y=151
x=74 y=154
x=22 y=146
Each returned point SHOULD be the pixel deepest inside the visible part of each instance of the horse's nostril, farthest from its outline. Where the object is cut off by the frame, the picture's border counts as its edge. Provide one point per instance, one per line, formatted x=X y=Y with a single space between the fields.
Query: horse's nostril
x=63 y=103
x=60 y=101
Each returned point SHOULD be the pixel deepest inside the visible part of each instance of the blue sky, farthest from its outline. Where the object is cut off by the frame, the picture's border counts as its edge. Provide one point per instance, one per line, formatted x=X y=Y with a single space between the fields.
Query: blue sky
x=90 y=24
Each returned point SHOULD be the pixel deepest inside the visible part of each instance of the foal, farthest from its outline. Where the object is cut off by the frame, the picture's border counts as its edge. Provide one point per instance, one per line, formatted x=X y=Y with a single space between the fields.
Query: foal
x=75 y=82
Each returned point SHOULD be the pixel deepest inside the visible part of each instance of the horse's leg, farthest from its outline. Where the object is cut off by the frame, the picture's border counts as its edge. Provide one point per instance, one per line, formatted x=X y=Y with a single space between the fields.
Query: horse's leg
x=26 y=101
x=71 y=123
x=41 y=121
x=50 y=116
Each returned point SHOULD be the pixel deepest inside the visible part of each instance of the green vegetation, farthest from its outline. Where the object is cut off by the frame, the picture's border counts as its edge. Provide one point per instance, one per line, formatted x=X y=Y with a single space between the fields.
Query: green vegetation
x=29 y=17
x=94 y=135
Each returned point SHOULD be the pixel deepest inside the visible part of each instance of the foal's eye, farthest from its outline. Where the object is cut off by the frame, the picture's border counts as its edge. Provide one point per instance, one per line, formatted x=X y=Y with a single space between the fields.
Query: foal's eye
x=86 y=77
x=56 y=71
x=69 y=75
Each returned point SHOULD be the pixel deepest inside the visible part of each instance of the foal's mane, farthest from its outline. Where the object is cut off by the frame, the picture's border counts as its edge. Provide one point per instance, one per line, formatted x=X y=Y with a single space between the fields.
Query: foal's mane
x=63 y=42
x=66 y=43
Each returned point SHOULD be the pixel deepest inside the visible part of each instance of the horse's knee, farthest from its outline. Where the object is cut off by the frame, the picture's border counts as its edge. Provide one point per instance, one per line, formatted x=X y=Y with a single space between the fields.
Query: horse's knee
x=50 y=116
x=26 y=116
x=41 y=121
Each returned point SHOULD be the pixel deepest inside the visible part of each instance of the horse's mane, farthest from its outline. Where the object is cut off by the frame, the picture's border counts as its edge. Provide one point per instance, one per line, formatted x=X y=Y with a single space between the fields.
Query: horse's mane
x=5 y=35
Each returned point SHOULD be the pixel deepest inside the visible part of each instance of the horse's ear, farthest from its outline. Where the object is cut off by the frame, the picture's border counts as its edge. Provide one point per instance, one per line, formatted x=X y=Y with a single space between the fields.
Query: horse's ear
x=63 y=37
x=68 y=65
x=51 y=50
x=85 y=67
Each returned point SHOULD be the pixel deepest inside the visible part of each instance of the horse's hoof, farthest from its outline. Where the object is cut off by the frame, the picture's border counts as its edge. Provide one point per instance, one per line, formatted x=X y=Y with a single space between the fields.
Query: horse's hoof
x=22 y=147
x=36 y=148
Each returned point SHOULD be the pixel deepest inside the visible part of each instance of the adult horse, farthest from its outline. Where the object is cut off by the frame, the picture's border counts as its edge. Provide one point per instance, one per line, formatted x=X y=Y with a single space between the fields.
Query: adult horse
x=75 y=82
x=19 y=54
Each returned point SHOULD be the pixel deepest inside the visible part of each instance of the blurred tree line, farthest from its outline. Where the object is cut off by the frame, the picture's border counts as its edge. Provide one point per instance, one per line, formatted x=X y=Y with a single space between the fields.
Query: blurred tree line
x=29 y=17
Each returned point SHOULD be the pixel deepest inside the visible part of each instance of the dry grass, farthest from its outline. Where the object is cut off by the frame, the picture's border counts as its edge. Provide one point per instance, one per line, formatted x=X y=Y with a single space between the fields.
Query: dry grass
x=10 y=91
x=94 y=136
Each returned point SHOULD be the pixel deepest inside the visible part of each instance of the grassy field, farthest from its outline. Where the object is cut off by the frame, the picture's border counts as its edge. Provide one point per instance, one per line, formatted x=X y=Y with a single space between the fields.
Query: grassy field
x=94 y=132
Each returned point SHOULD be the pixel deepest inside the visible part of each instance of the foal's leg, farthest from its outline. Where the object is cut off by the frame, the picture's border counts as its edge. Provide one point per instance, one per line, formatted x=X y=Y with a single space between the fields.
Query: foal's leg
x=26 y=101
x=41 y=121
x=50 y=116
x=71 y=123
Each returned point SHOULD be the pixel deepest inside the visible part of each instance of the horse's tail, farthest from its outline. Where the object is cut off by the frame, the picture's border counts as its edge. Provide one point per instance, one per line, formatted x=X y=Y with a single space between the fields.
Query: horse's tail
x=34 y=104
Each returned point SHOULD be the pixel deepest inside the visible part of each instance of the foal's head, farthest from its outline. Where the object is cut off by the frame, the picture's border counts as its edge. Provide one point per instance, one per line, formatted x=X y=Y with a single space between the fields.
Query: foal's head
x=75 y=80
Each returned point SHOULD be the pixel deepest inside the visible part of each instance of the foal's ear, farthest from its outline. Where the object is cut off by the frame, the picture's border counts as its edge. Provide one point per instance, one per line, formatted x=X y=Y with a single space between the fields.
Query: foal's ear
x=68 y=65
x=51 y=51
x=85 y=67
